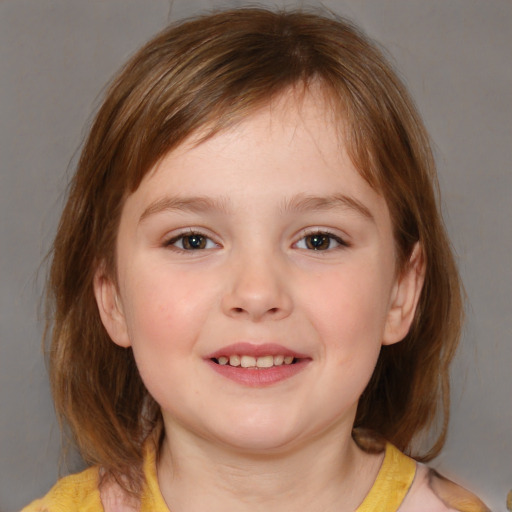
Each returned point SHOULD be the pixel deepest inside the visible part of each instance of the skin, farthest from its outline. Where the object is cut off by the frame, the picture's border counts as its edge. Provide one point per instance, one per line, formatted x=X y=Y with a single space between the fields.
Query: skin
x=238 y=447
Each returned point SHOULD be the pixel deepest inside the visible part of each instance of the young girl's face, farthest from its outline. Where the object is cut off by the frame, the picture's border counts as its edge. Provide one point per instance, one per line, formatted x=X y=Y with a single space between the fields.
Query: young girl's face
x=260 y=246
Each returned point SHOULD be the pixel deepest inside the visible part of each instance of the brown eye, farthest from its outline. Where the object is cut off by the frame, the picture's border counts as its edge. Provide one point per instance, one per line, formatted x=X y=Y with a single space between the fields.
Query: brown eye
x=318 y=242
x=192 y=242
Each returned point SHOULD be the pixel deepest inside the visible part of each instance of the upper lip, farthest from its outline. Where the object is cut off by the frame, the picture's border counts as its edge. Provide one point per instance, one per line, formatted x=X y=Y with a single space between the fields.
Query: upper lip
x=255 y=350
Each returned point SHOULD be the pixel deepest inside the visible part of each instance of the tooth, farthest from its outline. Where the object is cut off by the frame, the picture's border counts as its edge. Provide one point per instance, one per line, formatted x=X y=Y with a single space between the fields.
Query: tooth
x=223 y=360
x=265 y=362
x=288 y=360
x=234 y=360
x=247 y=361
x=278 y=360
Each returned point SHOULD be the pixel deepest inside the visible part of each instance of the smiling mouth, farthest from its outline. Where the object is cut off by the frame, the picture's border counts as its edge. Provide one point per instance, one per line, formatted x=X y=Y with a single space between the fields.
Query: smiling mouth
x=258 y=363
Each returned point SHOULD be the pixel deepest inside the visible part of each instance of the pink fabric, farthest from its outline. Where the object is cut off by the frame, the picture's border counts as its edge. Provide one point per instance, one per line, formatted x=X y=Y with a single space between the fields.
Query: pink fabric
x=430 y=492
x=421 y=497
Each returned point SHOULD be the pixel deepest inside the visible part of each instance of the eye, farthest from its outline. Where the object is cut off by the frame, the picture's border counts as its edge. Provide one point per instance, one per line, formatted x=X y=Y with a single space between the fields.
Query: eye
x=320 y=241
x=191 y=242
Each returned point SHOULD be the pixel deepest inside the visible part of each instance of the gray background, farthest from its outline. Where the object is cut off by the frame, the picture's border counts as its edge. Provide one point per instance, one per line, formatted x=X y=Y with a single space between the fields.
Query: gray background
x=55 y=57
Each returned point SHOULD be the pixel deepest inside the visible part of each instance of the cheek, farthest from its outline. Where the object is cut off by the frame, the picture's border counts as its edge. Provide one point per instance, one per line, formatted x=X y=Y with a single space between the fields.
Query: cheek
x=350 y=323
x=352 y=310
x=349 y=317
x=164 y=316
x=165 y=309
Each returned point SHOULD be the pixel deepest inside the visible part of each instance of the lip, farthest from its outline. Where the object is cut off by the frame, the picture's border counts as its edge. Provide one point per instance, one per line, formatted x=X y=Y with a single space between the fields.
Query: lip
x=256 y=350
x=253 y=377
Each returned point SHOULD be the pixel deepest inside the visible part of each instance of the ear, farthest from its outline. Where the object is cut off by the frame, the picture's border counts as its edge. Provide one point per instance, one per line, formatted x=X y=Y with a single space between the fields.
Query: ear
x=110 y=309
x=404 y=299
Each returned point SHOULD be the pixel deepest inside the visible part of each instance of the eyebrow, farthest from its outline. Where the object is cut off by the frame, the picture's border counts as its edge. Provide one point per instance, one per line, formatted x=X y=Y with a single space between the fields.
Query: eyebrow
x=184 y=204
x=303 y=202
x=298 y=203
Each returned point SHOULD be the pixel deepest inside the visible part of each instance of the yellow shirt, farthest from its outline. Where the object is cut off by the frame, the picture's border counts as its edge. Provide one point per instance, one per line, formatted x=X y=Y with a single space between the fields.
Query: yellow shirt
x=399 y=477
x=80 y=493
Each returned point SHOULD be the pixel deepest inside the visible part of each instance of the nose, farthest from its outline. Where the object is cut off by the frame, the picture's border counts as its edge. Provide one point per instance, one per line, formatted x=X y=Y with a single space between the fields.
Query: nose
x=257 y=290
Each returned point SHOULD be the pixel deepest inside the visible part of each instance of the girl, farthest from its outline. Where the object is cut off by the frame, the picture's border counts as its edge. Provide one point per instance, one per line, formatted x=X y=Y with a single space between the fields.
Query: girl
x=253 y=298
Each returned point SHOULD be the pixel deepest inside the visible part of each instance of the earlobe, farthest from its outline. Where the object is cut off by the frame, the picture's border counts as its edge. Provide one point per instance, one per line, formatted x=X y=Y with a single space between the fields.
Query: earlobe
x=405 y=297
x=110 y=309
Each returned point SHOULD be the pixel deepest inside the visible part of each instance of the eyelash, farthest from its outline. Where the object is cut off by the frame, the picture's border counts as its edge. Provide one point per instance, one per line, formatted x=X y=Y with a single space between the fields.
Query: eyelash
x=326 y=235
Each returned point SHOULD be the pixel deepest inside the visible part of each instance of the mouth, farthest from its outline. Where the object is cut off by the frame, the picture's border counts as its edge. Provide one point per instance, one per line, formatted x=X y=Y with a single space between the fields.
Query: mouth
x=257 y=365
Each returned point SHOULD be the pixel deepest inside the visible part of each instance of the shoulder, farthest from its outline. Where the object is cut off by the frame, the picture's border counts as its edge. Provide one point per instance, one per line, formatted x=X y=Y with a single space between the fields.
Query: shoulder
x=90 y=491
x=432 y=492
x=77 y=492
x=404 y=485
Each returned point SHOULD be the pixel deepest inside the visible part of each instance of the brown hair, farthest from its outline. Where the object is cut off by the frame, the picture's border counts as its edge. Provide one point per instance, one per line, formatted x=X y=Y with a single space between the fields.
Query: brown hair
x=210 y=72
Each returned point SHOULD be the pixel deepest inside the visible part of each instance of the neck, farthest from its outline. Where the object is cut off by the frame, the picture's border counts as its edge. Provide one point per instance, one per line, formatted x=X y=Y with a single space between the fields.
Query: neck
x=329 y=473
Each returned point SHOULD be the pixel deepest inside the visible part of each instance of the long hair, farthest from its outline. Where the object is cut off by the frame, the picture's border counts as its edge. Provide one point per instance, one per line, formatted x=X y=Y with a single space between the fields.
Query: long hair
x=209 y=73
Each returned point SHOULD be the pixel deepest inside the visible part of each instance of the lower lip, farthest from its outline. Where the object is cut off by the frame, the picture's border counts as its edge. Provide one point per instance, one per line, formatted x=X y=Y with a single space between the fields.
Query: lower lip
x=257 y=378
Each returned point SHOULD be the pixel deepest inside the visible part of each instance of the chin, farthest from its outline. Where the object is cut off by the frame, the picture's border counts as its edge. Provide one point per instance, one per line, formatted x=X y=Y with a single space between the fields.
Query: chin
x=260 y=445
x=258 y=438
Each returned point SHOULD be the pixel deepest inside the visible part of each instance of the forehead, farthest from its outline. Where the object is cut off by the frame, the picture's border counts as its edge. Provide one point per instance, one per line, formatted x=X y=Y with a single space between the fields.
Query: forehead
x=298 y=112
x=302 y=100
x=291 y=147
